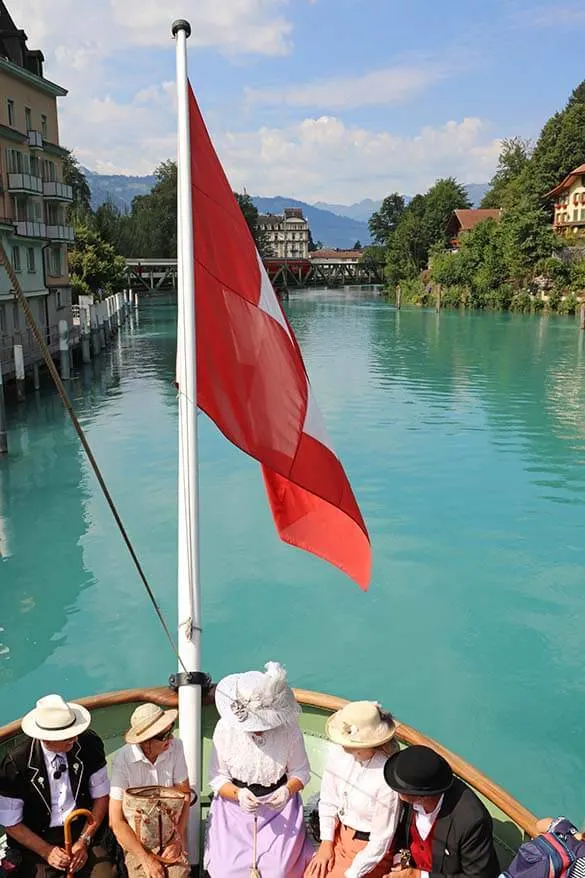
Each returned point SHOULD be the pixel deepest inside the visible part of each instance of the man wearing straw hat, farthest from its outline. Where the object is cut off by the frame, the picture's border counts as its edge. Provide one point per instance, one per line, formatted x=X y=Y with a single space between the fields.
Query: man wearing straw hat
x=152 y=758
x=60 y=768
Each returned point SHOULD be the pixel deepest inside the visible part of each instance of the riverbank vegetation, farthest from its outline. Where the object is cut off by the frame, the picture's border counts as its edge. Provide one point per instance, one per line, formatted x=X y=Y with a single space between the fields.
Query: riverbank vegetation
x=517 y=263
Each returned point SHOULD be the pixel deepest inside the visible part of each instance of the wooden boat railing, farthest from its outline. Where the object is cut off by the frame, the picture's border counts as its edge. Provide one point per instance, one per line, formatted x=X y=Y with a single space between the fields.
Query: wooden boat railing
x=480 y=782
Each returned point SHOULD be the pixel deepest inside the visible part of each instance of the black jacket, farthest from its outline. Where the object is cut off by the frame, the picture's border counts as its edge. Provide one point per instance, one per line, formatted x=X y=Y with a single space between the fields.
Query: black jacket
x=23 y=775
x=463 y=844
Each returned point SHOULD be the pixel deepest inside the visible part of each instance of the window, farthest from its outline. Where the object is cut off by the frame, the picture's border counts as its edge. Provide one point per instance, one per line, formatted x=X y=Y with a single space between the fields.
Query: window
x=28 y=119
x=11 y=113
x=49 y=171
x=575 y=216
x=44 y=126
x=55 y=262
x=15 y=316
x=2 y=319
x=16 y=258
x=42 y=318
x=14 y=161
x=30 y=259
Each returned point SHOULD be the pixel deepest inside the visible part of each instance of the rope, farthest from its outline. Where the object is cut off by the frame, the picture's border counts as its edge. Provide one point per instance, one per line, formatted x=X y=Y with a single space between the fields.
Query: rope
x=20 y=297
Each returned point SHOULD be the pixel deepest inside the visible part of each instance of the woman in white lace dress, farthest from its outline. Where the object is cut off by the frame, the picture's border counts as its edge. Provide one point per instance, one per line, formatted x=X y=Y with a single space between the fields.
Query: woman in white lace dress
x=258 y=767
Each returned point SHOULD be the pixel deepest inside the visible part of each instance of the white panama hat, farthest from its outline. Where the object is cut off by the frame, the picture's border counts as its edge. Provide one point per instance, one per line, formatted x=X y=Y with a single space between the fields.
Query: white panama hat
x=55 y=719
x=256 y=702
x=360 y=724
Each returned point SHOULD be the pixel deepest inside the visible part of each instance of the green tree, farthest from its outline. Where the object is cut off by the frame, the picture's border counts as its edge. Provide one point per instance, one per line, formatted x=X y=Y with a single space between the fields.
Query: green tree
x=504 y=189
x=74 y=177
x=357 y=245
x=155 y=215
x=383 y=222
x=526 y=239
x=94 y=264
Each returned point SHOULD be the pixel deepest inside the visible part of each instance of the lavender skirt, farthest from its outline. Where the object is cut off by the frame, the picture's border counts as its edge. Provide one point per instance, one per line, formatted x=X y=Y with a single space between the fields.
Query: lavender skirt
x=282 y=848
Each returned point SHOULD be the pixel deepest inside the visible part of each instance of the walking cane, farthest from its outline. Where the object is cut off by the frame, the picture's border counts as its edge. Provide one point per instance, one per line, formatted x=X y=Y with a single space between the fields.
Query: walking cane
x=255 y=871
x=79 y=812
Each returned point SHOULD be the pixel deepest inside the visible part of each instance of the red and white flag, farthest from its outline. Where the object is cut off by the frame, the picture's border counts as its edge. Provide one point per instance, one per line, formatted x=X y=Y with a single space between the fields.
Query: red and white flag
x=251 y=379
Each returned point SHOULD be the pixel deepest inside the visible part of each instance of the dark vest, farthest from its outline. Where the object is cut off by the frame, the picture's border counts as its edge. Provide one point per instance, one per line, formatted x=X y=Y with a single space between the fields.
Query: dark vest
x=23 y=775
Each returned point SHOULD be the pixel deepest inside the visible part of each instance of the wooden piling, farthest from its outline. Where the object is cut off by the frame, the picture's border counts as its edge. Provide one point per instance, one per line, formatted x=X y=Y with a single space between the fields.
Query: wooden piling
x=582 y=317
x=3 y=428
x=438 y=302
x=19 y=370
x=102 y=324
x=64 y=350
x=36 y=376
x=94 y=330
x=85 y=338
x=398 y=297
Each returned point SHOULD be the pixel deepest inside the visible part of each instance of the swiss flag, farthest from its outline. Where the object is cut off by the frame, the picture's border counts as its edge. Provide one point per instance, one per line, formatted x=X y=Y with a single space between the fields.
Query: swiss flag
x=251 y=379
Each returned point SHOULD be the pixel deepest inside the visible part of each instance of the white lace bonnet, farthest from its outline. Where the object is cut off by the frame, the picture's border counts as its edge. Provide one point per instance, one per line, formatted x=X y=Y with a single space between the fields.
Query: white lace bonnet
x=255 y=701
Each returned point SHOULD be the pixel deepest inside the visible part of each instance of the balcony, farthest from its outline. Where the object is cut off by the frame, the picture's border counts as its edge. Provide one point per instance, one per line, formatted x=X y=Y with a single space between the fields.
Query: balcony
x=57 y=191
x=26 y=184
x=30 y=229
x=60 y=233
x=35 y=139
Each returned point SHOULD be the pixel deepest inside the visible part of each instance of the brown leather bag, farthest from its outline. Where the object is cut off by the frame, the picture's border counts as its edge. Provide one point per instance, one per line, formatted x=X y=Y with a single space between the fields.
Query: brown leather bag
x=153 y=812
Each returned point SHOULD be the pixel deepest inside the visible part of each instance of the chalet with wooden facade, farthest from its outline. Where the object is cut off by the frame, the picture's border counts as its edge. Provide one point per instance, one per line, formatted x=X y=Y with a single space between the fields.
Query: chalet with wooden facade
x=569 y=207
x=466 y=219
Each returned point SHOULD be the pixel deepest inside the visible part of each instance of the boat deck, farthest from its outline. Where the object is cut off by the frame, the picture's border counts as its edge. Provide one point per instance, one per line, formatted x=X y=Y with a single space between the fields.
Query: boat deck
x=111 y=718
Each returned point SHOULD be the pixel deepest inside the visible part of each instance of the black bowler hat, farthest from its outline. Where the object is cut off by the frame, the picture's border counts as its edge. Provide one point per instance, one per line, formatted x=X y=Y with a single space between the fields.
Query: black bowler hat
x=418 y=771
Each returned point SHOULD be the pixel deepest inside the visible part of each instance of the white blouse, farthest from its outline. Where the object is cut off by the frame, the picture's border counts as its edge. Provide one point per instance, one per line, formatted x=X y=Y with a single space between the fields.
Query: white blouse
x=257 y=758
x=357 y=795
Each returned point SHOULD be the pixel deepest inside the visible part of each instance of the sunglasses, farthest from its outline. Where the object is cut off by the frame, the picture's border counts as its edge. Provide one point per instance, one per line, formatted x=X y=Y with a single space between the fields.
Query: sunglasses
x=164 y=736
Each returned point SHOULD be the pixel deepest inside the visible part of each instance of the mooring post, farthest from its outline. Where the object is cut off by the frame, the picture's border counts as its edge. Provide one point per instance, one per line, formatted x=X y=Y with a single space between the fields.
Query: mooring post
x=438 y=303
x=582 y=317
x=19 y=370
x=94 y=330
x=102 y=324
x=36 y=376
x=398 y=297
x=119 y=310
x=85 y=337
x=64 y=350
x=3 y=429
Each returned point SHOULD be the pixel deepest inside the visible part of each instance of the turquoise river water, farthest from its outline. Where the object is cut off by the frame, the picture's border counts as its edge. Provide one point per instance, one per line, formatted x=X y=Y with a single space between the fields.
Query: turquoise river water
x=464 y=438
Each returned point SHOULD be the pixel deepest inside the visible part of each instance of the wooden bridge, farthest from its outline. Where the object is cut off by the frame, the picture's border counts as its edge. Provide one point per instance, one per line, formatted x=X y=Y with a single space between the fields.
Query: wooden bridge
x=329 y=268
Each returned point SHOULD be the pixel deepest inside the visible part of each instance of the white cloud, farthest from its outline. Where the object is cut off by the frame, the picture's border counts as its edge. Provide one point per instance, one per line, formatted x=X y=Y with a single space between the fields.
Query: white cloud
x=232 y=26
x=392 y=85
x=323 y=159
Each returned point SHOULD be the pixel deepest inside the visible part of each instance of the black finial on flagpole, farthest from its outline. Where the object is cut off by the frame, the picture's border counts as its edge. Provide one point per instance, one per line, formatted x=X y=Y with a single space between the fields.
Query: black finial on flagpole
x=181 y=24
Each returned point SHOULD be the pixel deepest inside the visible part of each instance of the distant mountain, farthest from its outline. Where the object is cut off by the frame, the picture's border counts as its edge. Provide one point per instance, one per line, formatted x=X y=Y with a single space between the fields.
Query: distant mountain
x=476 y=191
x=336 y=225
x=117 y=188
x=330 y=228
x=361 y=210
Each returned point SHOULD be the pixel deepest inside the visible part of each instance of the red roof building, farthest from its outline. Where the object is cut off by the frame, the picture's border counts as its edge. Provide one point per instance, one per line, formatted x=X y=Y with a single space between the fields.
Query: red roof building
x=464 y=220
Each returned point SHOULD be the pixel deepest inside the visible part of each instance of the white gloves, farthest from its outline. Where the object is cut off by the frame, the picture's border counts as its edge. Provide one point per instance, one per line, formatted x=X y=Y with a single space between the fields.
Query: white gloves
x=247 y=800
x=279 y=798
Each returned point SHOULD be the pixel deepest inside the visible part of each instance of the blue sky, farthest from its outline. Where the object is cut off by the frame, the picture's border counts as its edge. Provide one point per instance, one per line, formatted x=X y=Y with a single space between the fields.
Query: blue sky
x=332 y=100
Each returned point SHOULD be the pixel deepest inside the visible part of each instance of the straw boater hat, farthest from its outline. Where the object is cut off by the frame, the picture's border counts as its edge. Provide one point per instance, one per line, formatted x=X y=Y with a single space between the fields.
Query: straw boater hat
x=55 y=719
x=360 y=724
x=147 y=721
x=257 y=702
x=418 y=771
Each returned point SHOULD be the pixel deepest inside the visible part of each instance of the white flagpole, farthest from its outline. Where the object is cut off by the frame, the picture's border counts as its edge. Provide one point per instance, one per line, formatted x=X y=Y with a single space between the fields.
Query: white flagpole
x=189 y=601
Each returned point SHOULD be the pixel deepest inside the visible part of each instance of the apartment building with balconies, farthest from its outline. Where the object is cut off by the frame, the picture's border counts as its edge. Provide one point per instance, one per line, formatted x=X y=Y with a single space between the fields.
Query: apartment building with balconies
x=33 y=197
x=569 y=206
